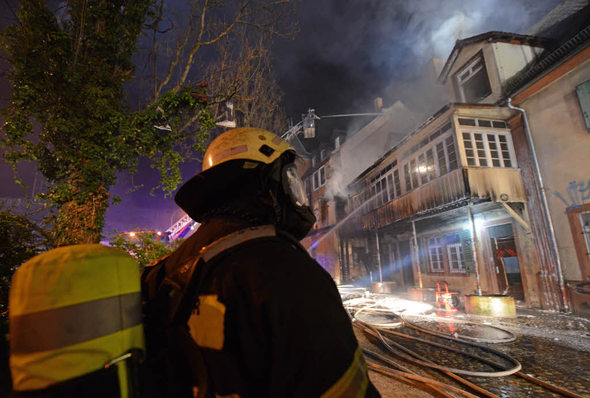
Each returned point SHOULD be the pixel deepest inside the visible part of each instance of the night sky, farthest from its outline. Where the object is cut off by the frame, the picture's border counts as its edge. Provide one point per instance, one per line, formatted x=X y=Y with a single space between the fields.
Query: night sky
x=346 y=54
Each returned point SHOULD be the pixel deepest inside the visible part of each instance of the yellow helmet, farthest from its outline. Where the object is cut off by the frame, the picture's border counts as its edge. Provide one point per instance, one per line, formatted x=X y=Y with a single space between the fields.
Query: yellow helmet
x=252 y=146
x=245 y=143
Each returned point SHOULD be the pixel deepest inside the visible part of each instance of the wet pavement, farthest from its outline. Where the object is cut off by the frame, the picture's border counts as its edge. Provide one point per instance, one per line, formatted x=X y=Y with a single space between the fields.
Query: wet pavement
x=552 y=347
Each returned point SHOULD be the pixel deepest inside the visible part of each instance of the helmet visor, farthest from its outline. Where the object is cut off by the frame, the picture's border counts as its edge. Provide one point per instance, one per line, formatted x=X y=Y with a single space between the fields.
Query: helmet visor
x=295 y=186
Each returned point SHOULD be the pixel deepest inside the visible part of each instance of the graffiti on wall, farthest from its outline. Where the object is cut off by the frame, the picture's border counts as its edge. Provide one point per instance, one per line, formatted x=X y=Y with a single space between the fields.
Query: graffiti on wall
x=576 y=194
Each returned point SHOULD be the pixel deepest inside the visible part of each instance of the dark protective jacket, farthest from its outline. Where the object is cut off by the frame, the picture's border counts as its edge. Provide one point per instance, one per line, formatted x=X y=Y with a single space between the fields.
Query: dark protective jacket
x=270 y=320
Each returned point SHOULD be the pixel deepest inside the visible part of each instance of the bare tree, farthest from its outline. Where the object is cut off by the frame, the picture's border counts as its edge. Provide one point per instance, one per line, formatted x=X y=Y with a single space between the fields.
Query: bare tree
x=242 y=74
x=226 y=44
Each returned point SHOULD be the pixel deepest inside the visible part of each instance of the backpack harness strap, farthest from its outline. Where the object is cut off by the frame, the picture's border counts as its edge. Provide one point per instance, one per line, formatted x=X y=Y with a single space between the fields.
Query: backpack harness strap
x=188 y=281
x=176 y=295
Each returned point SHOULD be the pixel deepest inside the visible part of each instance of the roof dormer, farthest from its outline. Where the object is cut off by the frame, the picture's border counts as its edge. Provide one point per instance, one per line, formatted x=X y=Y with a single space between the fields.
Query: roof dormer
x=479 y=66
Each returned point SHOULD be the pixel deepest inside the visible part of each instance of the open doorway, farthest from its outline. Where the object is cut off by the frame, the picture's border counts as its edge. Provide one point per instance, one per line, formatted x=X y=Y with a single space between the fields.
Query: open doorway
x=506 y=262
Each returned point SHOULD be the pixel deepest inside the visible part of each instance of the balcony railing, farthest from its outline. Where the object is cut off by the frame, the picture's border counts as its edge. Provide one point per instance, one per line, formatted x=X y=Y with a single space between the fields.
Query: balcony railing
x=496 y=184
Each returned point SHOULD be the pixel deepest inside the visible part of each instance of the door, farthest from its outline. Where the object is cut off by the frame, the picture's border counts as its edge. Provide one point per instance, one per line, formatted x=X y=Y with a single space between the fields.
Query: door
x=507 y=267
x=405 y=263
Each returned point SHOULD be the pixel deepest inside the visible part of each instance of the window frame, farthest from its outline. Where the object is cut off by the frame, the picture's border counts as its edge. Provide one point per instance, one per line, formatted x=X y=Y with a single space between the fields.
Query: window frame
x=386 y=185
x=487 y=151
x=446 y=140
x=436 y=243
x=462 y=268
x=316 y=178
x=470 y=66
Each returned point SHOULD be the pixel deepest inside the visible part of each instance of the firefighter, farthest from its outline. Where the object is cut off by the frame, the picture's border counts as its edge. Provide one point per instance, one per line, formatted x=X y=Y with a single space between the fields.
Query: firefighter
x=264 y=318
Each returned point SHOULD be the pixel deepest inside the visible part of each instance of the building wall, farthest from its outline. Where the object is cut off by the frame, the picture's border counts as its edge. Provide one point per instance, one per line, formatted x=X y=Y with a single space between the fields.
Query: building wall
x=486 y=218
x=543 y=263
x=462 y=282
x=511 y=58
x=322 y=241
x=562 y=144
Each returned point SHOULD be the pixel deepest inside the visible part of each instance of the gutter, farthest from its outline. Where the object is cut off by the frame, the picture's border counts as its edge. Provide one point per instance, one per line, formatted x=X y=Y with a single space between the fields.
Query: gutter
x=544 y=203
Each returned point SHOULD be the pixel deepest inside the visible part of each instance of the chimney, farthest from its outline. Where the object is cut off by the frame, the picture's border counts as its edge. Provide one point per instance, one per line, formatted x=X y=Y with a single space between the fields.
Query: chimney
x=378 y=104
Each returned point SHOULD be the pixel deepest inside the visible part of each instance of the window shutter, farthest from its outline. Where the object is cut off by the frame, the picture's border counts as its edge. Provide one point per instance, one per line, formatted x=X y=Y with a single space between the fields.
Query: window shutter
x=583 y=92
x=466 y=245
x=423 y=264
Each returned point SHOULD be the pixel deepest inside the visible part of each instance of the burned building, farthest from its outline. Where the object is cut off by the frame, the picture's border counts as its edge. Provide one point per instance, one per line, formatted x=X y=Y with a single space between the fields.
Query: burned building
x=491 y=193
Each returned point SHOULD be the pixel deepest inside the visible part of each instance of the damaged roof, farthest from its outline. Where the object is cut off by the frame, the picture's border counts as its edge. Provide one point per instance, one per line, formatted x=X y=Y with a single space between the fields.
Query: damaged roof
x=567 y=37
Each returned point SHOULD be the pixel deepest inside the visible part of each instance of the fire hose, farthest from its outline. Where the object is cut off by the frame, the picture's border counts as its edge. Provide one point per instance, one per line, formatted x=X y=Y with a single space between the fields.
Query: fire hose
x=377 y=330
x=511 y=336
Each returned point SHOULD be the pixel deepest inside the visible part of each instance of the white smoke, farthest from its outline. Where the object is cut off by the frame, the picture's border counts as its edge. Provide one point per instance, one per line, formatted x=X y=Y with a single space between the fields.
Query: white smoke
x=458 y=26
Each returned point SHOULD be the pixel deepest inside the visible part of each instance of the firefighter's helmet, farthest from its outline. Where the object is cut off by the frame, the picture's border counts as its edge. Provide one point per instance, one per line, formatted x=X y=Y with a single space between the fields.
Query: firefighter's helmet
x=245 y=143
x=233 y=155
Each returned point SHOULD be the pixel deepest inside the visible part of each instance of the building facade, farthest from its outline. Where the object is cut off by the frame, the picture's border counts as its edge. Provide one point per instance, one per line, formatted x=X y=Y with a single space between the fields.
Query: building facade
x=476 y=196
x=491 y=194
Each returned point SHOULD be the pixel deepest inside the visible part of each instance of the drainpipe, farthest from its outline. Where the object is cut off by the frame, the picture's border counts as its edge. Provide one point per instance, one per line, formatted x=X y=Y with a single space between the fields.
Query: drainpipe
x=475 y=247
x=544 y=203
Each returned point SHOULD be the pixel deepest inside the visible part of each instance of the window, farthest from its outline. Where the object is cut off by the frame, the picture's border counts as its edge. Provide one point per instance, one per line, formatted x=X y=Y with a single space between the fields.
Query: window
x=472 y=81
x=319 y=178
x=490 y=149
x=430 y=169
x=435 y=255
x=498 y=124
x=407 y=177
x=455 y=253
x=414 y=174
x=451 y=153
x=385 y=186
x=396 y=183
x=437 y=159
x=390 y=186
x=440 y=154
x=467 y=122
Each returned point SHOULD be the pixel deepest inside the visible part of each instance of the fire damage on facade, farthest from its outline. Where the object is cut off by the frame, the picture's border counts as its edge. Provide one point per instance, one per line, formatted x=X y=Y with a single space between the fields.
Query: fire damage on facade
x=490 y=194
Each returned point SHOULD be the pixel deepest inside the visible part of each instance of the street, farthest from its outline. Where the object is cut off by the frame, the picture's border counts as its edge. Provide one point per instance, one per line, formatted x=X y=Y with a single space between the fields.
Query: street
x=552 y=347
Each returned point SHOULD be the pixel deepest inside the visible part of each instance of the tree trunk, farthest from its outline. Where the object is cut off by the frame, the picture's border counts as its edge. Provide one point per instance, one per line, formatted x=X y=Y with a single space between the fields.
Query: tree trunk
x=81 y=220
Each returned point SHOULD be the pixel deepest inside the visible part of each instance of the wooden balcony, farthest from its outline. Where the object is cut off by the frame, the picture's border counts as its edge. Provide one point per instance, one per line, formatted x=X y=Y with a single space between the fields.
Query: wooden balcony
x=449 y=190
